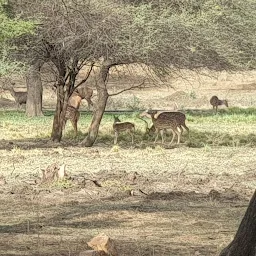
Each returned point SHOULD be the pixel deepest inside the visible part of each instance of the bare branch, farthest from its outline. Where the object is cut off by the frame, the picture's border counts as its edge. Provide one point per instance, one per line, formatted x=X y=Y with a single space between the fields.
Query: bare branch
x=128 y=89
x=86 y=77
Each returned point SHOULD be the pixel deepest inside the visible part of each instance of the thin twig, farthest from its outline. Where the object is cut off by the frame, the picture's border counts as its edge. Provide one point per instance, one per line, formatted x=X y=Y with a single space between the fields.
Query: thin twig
x=127 y=89
x=86 y=77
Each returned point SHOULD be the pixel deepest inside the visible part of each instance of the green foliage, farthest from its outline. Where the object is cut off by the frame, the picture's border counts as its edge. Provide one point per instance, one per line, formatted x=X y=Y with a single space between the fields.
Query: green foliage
x=10 y=28
x=229 y=27
x=194 y=34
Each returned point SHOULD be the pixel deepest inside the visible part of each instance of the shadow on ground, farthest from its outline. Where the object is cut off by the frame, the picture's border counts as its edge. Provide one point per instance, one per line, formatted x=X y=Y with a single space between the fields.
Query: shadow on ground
x=176 y=223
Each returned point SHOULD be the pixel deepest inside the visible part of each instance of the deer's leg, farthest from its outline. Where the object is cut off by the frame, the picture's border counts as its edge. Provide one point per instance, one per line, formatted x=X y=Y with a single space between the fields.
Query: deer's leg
x=178 y=134
x=184 y=125
x=64 y=124
x=132 y=134
x=157 y=132
x=115 y=138
x=162 y=135
x=181 y=129
x=173 y=136
x=74 y=124
x=74 y=121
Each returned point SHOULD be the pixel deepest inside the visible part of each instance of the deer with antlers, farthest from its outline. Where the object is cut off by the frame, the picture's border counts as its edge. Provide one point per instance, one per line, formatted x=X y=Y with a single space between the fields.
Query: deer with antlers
x=178 y=116
x=164 y=121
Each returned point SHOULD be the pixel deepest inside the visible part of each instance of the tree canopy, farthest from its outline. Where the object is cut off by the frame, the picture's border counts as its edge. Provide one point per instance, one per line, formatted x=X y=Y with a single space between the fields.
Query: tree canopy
x=10 y=28
x=164 y=35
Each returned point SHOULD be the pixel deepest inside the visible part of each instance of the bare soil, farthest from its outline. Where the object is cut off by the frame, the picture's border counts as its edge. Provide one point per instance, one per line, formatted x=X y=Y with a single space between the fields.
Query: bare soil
x=151 y=201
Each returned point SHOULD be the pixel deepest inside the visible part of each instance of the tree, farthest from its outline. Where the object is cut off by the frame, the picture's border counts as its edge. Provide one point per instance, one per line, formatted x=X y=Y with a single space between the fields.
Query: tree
x=244 y=243
x=166 y=36
x=34 y=89
x=13 y=28
x=10 y=29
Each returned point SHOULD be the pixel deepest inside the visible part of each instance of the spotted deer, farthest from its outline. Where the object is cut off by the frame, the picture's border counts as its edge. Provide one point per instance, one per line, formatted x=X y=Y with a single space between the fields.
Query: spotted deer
x=74 y=102
x=119 y=126
x=178 y=116
x=162 y=122
x=73 y=115
x=19 y=97
x=215 y=102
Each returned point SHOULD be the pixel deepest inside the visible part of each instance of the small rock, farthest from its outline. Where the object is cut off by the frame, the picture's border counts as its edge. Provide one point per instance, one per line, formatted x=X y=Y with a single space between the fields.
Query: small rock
x=103 y=243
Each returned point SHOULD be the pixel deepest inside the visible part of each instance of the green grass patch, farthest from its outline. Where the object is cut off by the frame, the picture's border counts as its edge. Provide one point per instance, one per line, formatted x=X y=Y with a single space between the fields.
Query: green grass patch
x=231 y=127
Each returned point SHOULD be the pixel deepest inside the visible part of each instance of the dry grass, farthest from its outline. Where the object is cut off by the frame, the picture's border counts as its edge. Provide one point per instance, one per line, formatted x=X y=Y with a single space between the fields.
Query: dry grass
x=195 y=194
x=60 y=218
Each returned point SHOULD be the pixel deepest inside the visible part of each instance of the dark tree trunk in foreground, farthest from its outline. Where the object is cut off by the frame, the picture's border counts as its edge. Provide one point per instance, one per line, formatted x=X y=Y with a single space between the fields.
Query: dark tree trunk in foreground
x=60 y=112
x=63 y=93
x=245 y=239
x=34 y=90
x=99 y=106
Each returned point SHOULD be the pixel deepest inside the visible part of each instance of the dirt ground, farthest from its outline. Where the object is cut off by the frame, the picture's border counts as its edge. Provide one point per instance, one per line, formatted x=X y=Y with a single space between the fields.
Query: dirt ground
x=151 y=201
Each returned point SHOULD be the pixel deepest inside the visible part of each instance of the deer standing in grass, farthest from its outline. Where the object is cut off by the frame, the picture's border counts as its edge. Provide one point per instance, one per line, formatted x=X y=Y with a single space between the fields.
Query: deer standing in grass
x=215 y=102
x=162 y=122
x=178 y=116
x=72 y=112
x=119 y=126
x=19 y=97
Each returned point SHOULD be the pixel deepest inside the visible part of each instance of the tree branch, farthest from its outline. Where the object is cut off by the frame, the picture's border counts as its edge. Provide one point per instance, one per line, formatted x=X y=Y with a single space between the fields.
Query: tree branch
x=86 y=77
x=128 y=89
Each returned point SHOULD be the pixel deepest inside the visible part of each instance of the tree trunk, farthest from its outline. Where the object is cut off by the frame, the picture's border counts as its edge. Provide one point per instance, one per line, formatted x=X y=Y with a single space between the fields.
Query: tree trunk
x=245 y=239
x=64 y=90
x=100 y=105
x=34 y=90
x=60 y=112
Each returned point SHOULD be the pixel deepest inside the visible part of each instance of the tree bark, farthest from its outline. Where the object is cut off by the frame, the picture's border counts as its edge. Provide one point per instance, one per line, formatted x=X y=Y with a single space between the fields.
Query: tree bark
x=62 y=101
x=34 y=90
x=244 y=242
x=100 y=105
x=59 y=114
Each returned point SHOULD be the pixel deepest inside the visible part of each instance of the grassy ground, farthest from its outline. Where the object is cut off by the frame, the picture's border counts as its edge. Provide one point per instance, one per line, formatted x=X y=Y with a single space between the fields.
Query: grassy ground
x=187 y=200
x=232 y=127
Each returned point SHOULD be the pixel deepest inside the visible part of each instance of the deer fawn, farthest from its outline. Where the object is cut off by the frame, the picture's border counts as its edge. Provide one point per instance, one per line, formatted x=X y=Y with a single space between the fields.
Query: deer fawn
x=119 y=126
x=215 y=102
x=163 y=122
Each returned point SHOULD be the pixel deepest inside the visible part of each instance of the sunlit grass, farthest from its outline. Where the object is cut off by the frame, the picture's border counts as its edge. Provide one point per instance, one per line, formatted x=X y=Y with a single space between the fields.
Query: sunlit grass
x=230 y=127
